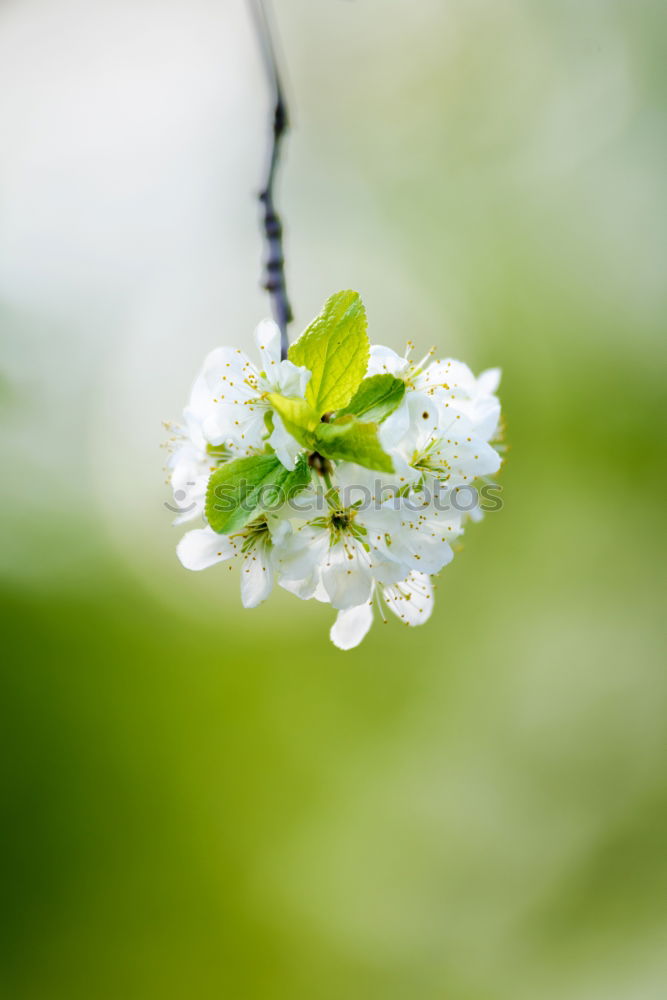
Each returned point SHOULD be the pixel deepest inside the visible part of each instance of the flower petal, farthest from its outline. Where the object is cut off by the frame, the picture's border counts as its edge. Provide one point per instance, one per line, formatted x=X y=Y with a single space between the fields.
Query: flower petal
x=411 y=600
x=202 y=548
x=233 y=379
x=285 y=446
x=351 y=626
x=201 y=395
x=194 y=431
x=453 y=377
x=256 y=577
x=346 y=575
x=383 y=361
x=288 y=379
x=309 y=587
x=485 y=417
x=425 y=420
x=427 y=526
x=396 y=426
x=241 y=426
x=190 y=499
x=466 y=459
x=302 y=552
x=488 y=381
x=267 y=338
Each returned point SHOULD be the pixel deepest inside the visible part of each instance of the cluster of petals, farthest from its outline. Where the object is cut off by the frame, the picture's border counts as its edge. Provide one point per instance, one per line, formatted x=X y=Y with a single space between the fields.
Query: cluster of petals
x=357 y=539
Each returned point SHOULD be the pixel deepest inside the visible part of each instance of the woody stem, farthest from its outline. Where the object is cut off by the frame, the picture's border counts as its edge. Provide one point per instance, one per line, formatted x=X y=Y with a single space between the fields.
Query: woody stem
x=274 y=280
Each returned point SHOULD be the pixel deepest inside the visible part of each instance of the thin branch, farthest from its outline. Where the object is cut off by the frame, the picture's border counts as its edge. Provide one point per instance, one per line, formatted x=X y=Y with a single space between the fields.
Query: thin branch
x=274 y=281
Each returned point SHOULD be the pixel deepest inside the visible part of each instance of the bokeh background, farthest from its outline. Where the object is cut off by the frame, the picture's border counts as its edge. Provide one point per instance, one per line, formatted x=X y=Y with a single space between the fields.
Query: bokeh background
x=205 y=802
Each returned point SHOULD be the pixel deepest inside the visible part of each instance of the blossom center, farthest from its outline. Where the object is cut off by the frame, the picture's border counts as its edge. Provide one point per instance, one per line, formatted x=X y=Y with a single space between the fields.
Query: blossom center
x=341 y=520
x=255 y=533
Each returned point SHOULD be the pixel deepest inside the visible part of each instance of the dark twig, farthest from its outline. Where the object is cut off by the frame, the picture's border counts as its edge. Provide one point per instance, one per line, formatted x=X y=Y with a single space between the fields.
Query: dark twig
x=274 y=281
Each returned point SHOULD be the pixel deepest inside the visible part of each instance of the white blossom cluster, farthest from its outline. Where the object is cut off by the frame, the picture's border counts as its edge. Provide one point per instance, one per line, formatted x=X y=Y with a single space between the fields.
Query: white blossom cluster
x=278 y=487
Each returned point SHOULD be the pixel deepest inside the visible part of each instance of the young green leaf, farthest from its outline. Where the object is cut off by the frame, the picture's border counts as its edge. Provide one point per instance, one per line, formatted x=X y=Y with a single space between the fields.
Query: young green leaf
x=351 y=440
x=335 y=349
x=240 y=490
x=376 y=397
x=297 y=415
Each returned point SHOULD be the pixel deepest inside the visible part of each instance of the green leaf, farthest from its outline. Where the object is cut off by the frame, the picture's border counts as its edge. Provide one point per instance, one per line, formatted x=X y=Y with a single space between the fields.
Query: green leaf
x=376 y=397
x=349 y=439
x=241 y=490
x=335 y=349
x=298 y=416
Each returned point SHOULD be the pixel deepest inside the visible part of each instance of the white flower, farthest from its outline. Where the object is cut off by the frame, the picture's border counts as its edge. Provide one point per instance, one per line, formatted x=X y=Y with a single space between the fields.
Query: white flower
x=254 y=545
x=192 y=457
x=439 y=444
x=450 y=383
x=359 y=538
x=332 y=558
x=217 y=427
x=189 y=474
x=411 y=600
x=239 y=393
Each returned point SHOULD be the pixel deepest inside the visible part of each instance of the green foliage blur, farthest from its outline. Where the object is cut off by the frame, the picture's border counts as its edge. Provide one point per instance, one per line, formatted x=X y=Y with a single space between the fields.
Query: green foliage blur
x=201 y=801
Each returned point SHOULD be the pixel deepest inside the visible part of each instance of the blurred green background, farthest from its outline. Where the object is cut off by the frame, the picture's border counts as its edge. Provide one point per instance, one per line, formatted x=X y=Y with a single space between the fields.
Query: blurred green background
x=200 y=801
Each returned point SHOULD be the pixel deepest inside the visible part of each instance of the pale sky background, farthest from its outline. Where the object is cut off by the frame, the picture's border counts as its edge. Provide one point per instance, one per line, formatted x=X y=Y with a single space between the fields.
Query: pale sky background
x=133 y=143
